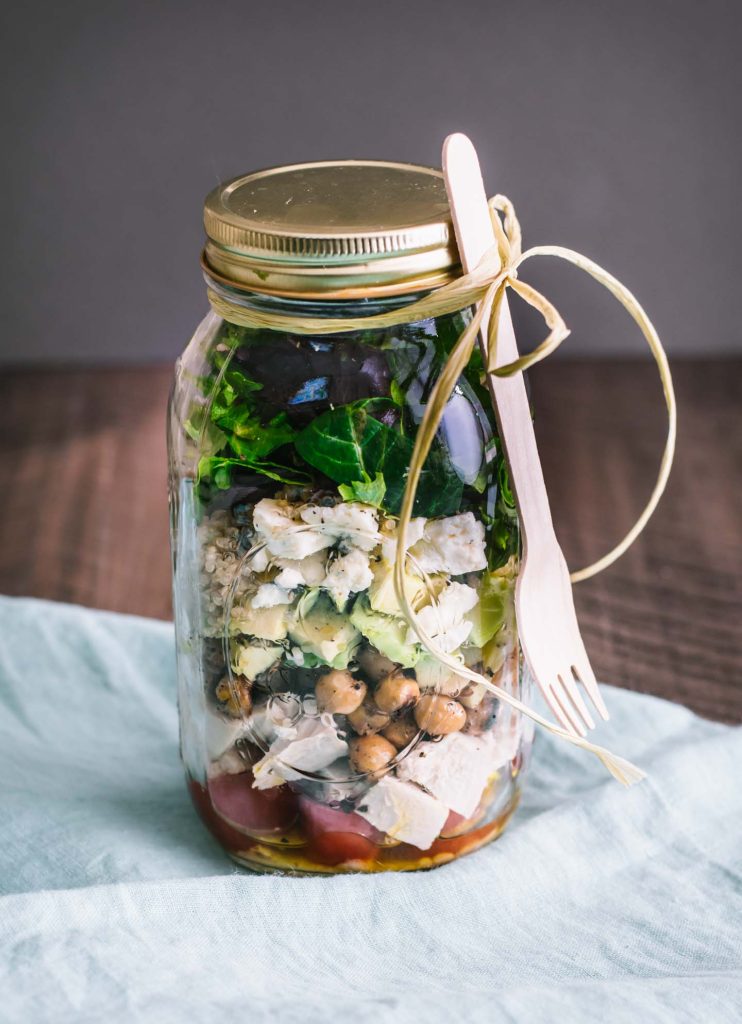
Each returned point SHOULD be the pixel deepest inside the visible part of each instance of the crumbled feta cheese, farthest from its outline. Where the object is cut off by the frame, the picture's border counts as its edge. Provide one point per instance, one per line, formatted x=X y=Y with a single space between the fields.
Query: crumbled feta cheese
x=312 y=569
x=389 y=540
x=454 y=545
x=347 y=575
x=315 y=746
x=270 y=594
x=260 y=560
x=444 y=621
x=454 y=769
x=289 y=579
x=404 y=812
x=250 y=659
x=351 y=522
x=283 y=535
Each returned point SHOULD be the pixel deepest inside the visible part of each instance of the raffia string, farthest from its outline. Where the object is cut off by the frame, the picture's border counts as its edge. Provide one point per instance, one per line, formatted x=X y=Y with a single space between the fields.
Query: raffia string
x=485 y=287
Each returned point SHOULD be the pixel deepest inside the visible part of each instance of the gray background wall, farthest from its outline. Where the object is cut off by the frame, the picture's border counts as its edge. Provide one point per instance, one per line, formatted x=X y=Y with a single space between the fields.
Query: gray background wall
x=612 y=125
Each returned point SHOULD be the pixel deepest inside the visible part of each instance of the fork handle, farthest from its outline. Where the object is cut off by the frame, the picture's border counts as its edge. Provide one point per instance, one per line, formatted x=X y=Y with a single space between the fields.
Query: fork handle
x=475 y=236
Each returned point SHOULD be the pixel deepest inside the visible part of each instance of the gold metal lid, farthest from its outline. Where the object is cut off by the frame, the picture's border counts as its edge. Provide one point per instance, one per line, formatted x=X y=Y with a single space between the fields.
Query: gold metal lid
x=336 y=229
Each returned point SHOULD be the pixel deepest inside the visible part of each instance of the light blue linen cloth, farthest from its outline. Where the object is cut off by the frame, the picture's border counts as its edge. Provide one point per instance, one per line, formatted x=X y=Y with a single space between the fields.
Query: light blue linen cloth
x=599 y=904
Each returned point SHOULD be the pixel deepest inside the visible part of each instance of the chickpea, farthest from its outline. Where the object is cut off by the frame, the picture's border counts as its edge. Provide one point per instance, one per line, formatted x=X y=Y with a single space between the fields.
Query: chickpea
x=400 y=731
x=369 y=754
x=339 y=693
x=395 y=692
x=367 y=719
x=439 y=715
x=374 y=665
x=235 y=696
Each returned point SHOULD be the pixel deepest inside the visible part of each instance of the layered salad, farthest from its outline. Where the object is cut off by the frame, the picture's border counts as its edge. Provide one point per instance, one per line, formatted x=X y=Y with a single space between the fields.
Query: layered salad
x=331 y=738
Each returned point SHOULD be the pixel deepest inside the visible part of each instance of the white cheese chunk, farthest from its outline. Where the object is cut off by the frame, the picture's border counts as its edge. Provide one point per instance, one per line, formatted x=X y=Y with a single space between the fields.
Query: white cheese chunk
x=260 y=560
x=270 y=594
x=454 y=545
x=351 y=522
x=444 y=620
x=315 y=745
x=347 y=575
x=311 y=569
x=455 y=769
x=389 y=540
x=404 y=812
x=289 y=578
x=283 y=535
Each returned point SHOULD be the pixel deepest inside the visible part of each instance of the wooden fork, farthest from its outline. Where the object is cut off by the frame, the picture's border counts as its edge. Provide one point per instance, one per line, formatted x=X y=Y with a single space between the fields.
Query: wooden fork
x=547 y=622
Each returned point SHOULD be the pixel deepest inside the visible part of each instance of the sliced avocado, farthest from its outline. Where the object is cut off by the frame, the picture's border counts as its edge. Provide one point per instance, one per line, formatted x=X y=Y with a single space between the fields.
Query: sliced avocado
x=249 y=660
x=386 y=632
x=263 y=623
x=382 y=595
x=494 y=610
x=320 y=630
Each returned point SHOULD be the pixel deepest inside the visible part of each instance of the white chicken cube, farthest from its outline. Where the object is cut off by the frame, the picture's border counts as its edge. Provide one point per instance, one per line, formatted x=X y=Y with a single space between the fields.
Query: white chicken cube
x=404 y=812
x=455 y=769
x=315 y=746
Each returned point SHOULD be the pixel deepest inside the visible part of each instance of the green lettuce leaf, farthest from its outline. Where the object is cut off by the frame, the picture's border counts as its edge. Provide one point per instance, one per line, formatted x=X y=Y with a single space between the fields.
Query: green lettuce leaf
x=348 y=445
x=370 y=492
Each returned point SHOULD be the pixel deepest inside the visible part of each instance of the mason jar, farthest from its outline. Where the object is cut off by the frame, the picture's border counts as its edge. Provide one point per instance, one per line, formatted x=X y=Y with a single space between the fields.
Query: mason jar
x=318 y=734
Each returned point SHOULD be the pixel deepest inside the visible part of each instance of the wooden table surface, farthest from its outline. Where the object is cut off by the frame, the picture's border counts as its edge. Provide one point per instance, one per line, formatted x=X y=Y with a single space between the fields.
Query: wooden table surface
x=84 y=510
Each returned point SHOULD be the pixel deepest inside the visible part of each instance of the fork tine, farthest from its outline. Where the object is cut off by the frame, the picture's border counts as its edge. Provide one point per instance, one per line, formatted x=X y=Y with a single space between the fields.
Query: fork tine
x=556 y=708
x=564 y=703
x=572 y=691
x=584 y=674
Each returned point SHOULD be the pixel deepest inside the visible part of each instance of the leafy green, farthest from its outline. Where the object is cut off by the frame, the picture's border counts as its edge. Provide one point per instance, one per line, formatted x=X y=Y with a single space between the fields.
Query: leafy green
x=397 y=394
x=349 y=445
x=494 y=608
x=370 y=492
x=218 y=469
x=204 y=432
x=253 y=440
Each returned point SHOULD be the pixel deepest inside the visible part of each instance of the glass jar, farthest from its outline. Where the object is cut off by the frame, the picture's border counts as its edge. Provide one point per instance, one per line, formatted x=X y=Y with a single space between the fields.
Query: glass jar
x=317 y=733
